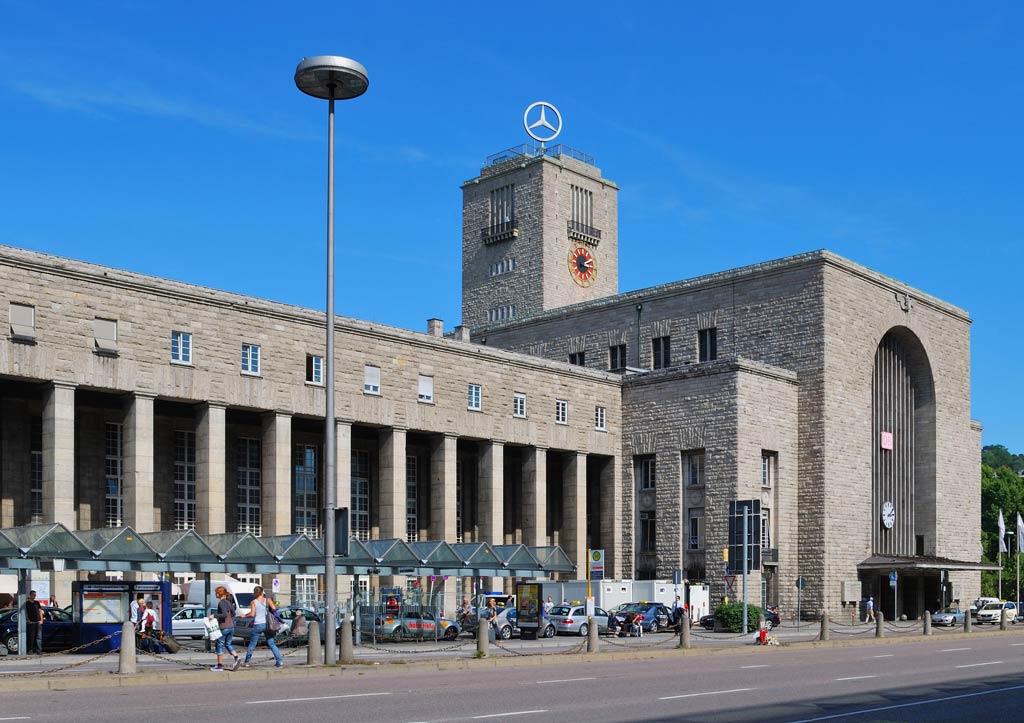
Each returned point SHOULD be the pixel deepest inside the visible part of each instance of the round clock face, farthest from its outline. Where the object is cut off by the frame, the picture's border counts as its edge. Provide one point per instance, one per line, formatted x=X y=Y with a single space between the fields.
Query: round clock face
x=888 y=515
x=582 y=266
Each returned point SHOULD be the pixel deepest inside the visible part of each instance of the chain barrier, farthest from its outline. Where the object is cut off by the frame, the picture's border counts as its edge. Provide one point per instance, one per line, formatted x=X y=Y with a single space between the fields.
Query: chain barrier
x=68 y=666
x=578 y=647
x=373 y=646
x=75 y=649
x=858 y=632
x=903 y=628
x=832 y=624
x=640 y=646
x=732 y=636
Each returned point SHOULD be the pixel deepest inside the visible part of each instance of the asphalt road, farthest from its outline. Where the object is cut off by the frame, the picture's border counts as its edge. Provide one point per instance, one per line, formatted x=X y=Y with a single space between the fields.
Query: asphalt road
x=944 y=679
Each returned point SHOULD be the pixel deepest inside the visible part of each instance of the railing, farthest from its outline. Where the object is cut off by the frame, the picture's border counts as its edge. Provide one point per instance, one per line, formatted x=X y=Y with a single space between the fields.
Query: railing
x=527 y=149
x=583 y=232
x=500 y=231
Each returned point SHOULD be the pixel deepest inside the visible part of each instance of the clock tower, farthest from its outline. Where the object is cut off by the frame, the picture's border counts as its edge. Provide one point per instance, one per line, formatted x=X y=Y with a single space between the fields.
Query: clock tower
x=539 y=231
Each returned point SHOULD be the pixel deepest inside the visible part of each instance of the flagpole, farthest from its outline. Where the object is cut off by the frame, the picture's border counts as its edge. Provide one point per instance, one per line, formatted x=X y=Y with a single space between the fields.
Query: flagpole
x=1000 y=574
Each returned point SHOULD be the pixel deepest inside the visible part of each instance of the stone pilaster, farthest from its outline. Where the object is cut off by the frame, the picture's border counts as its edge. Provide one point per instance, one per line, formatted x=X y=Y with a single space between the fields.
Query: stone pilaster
x=392 y=483
x=59 y=454
x=491 y=498
x=574 y=510
x=443 y=457
x=277 y=474
x=611 y=518
x=138 y=463
x=211 y=516
x=535 y=497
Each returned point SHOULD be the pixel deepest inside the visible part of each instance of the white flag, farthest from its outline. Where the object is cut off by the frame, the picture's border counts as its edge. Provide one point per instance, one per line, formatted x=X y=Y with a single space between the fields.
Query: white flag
x=1002 y=533
x=1020 y=531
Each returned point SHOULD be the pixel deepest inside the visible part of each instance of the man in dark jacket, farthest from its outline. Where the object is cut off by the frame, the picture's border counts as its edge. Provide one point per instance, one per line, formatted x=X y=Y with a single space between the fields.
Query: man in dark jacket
x=33 y=624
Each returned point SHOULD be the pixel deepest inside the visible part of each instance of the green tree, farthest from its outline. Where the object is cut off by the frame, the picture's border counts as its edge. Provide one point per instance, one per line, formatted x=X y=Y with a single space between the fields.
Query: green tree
x=996 y=456
x=1001 y=489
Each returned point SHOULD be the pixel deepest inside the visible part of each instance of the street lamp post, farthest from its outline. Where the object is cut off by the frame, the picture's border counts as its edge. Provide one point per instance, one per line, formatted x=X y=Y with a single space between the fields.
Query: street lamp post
x=332 y=78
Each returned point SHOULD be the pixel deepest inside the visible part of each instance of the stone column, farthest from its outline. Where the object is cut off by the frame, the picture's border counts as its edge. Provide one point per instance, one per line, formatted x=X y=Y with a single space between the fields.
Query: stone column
x=491 y=498
x=59 y=454
x=611 y=517
x=277 y=475
x=211 y=516
x=574 y=510
x=15 y=463
x=138 y=463
x=443 y=458
x=535 y=497
x=392 y=483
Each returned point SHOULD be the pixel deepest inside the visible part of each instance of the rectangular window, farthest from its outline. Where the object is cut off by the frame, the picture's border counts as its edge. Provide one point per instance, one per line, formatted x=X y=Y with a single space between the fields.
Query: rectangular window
x=707 y=344
x=582 y=206
x=250 y=358
x=519 y=405
x=766 y=528
x=314 y=369
x=181 y=347
x=647 y=472
x=412 y=488
x=579 y=358
x=458 y=501
x=305 y=504
x=506 y=312
x=249 y=485
x=371 y=379
x=23 y=322
x=473 y=397
x=769 y=461
x=506 y=266
x=184 y=480
x=503 y=208
x=617 y=357
x=113 y=465
x=599 y=419
x=561 y=411
x=106 y=336
x=647 y=531
x=359 y=514
x=693 y=467
x=36 y=471
x=696 y=529
x=661 y=351
x=426 y=389
x=305 y=591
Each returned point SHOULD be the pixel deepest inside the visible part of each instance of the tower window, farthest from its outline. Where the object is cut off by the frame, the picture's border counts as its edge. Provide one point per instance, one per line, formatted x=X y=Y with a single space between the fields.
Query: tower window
x=579 y=358
x=617 y=357
x=707 y=344
x=661 y=350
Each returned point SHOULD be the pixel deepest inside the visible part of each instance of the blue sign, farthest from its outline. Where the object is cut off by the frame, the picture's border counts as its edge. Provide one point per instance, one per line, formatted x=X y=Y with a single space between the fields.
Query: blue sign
x=892 y=576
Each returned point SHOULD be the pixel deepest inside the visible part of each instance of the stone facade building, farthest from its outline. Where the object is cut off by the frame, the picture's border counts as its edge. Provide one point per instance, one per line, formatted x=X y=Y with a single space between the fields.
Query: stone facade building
x=563 y=412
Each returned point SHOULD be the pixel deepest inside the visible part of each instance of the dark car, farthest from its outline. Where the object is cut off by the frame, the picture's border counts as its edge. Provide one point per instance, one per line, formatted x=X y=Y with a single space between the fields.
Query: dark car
x=771 y=619
x=655 y=615
x=707 y=622
x=60 y=632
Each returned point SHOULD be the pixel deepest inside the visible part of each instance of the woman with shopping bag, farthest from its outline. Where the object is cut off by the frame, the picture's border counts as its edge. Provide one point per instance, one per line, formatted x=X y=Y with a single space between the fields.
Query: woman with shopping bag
x=264 y=622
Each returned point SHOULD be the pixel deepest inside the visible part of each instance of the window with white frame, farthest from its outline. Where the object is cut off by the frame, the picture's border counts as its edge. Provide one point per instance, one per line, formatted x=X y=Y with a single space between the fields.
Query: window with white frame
x=113 y=466
x=371 y=379
x=769 y=463
x=696 y=529
x=425 y=392
x=305 y=591
x=359 y=515
x=506 y=266
x=600 y=423
x=647 y=472
x=561 y=411
x=314 y=369
x=648 y=531
x=36 y=471
x=458 y=501
x=412 y=488
x=249 y=485
x=473 y=397
x=250 y=358
x=693 y=467
x=766 y=527
x=184 y=480
x=105 y=331
x=305 y=503
x=249 y=579
x=181 y=347
x=23 y=322
x=505 y=312
x=519 y=405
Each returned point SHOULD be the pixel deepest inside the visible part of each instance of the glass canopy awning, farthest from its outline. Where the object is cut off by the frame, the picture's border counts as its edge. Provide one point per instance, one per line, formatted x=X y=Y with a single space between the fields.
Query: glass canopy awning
x=55 y=547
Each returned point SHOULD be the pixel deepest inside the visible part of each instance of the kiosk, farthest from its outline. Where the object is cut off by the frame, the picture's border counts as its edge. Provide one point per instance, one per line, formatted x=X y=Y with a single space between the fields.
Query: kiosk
x=101 y=608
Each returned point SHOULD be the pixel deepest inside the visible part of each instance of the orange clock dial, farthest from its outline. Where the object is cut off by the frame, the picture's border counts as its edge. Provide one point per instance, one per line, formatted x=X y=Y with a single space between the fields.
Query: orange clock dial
x=582 y=266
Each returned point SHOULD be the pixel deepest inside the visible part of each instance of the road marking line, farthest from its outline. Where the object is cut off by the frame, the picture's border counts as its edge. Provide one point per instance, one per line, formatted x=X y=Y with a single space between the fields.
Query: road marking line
x=858 y=677
x=321 y=697
x=566 y=680
x=887 y=655
x=866 y=711
x=17 y=717
x=502 y=715
x=1014 y=645
x=710 y=692
x=747 y=667
x=953 y=650
x=975 y=665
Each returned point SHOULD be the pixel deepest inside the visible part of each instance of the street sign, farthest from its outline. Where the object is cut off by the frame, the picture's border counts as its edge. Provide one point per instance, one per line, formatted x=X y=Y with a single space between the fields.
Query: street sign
x=597 y=564
x=893 y=577
x=729 y=580
x=801 y=583
x=275 y=585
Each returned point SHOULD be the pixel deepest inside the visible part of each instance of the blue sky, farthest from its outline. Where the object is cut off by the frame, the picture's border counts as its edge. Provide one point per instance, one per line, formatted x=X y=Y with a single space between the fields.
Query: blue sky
x=169 y=139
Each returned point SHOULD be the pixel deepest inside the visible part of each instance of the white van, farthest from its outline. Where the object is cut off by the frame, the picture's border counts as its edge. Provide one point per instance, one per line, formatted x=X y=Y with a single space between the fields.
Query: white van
x=241 y=592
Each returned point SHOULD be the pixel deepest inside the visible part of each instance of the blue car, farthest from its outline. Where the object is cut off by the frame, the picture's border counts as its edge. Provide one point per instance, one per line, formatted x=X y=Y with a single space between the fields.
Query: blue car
x=655 y=615
x=60 y=632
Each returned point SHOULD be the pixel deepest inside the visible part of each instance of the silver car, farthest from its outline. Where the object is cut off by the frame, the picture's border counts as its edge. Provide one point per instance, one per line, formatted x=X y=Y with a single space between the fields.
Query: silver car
x=573 y=619
x=951 y=617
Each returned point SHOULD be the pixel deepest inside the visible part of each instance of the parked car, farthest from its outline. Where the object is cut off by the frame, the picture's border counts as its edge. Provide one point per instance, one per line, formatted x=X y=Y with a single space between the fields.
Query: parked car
x=505 y=625
x=980 y=603
x=771 y=618
x=573 y=619
x=656 y=616
x=60 y=632
x=992 y=613
x=188 y=622
x=243 y=626
x=950 y=616
x=408 y=624
x=707 y=622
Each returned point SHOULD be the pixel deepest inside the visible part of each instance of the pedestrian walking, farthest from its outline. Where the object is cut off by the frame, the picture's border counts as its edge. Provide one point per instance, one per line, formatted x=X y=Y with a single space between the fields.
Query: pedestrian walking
x=225 y=616
x=869 y=608
x=33 y=624
x=260 y=608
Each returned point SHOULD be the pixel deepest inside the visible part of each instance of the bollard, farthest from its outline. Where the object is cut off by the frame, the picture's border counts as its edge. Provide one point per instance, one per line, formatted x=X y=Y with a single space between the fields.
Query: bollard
x=126 y=656
x=481 y=638
x=823 y=634
x=927 y=623
x=592 y=639
x=967 y=621
x=1002 y=619
x=314 y=649
x=684 y=634
x=879 y=624
x=348 y=655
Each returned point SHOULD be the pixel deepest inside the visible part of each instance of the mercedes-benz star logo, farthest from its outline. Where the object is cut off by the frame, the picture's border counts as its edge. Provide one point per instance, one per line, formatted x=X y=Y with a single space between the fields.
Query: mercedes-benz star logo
x=541 y=123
